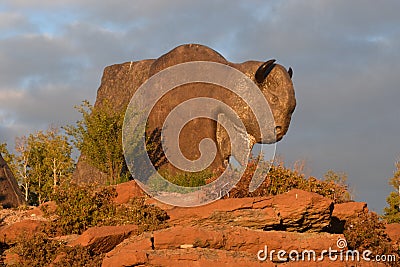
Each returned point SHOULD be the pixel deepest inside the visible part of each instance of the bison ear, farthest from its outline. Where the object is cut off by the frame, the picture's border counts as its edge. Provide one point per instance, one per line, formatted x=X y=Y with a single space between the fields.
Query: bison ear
x=264 y=70
x=290 y=71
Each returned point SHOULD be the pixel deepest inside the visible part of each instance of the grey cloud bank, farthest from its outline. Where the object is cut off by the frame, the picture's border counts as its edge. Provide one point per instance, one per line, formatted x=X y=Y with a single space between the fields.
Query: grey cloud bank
x=345 y=57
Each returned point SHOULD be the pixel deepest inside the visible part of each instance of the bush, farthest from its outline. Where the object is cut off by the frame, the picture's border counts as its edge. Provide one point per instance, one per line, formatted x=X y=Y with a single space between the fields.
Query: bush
x=81 y=207
x=187 y=179
x=280 y=179
x=366 y=232
x=78 y=208
x=147 y=217
x=39 y=250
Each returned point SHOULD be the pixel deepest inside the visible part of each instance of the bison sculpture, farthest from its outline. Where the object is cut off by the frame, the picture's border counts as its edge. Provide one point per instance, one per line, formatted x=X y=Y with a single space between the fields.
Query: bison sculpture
x=121 y=81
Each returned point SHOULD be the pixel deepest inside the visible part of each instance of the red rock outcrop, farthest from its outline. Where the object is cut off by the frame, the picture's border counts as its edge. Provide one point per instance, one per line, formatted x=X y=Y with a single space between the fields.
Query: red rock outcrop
x=50 y=206
x=393 y=231
x=223 y=246
x=231 y=232
x=86 y=173
x=227 y=238
x=296 y=210
x=10 y=194
x=344 y=211
x=127 y=191
x=201 y=257
x=105 y=238
x=227 y=232
x=25 y=228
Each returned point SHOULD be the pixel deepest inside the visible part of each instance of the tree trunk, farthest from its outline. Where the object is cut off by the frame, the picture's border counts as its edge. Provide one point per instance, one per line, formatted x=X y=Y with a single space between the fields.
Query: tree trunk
x=55 y=178
x=26 y=191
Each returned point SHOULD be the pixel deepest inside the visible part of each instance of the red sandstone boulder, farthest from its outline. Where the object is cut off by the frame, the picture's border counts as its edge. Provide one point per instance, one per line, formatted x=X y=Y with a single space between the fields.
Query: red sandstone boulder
x=50 y=206
x=11 y=259
x=344 y=211
x=303 y=211
x=67 y=238
x=296 y=210
x=232 y=239
x=85 y=173
x=224 y=246
x=126 y=258
x=241 y=239
x=127 y=191
x=393 y=231
x=25 y=228
x=11 y=195
x=161 y=205
x=224 y=210
x=105 y=238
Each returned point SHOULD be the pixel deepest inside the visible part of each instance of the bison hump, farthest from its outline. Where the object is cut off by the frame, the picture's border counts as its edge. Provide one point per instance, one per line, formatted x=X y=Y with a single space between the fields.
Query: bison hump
x=186 y=53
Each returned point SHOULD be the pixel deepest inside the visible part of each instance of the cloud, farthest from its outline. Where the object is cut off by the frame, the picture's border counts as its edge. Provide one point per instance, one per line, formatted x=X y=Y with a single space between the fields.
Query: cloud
x=14 y=23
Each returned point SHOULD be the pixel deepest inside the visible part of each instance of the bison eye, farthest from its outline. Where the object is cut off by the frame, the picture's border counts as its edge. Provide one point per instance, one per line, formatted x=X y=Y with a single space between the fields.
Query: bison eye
x=274 y=99
x=263 y=71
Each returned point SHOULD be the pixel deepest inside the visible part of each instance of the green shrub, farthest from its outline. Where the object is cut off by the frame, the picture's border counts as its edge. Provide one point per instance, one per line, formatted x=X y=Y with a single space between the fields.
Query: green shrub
x=81 y=207
x=184 y=179
x=78 y=208
x=187 y=179
x=40 y=250
x=366 y=232
x=337 y=192
x=280 y=179
x=147 y=217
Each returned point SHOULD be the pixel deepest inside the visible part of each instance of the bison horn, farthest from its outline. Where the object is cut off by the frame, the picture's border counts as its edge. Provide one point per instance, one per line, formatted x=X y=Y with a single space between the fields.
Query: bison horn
x=264 y=70
x=290 y=71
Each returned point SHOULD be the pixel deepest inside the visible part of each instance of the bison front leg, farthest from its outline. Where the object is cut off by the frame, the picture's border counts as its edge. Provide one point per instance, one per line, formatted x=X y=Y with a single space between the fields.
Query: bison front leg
x=231 y=134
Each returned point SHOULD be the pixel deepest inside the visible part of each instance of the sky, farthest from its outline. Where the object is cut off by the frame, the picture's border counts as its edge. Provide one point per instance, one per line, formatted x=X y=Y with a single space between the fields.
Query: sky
x=345 y=56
